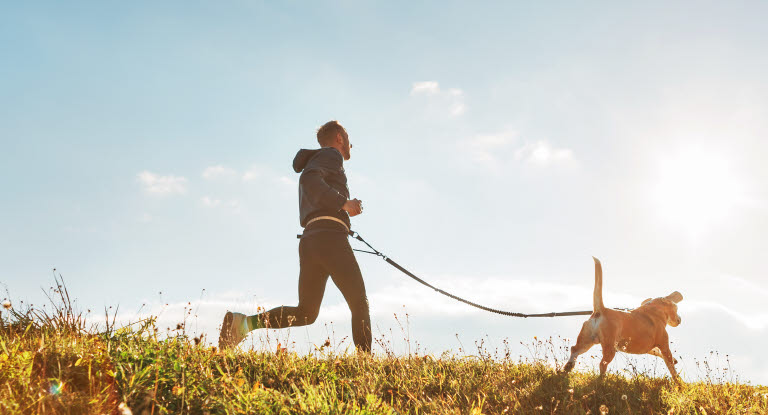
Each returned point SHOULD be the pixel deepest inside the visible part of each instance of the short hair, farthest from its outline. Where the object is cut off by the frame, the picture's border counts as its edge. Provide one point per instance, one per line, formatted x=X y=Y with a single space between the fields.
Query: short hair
x=327 y=133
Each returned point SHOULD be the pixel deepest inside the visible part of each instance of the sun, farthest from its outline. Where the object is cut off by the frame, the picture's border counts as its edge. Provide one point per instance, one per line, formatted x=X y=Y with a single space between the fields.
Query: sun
x=696 y=190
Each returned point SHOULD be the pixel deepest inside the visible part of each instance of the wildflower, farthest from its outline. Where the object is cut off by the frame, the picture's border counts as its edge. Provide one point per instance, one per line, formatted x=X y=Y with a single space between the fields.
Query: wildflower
x=603 y=410
x=623 y=397
x=7 y=305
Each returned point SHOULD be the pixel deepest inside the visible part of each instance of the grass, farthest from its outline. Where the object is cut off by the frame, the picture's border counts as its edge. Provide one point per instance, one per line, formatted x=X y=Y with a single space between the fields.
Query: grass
x=50 y=362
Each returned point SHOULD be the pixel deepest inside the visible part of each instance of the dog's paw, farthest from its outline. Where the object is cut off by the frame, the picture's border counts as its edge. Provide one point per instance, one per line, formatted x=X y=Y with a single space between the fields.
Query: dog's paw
x=567 y=368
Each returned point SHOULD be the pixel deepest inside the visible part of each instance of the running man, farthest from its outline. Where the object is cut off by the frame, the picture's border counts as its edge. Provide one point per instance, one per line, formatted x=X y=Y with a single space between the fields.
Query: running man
x=324 y=209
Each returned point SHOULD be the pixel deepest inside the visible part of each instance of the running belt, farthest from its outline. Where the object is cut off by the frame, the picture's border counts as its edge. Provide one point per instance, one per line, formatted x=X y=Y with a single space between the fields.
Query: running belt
x=333 y=218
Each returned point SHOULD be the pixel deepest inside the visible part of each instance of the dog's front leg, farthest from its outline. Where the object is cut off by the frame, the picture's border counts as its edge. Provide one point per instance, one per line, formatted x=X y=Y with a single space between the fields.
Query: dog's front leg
x=670 y=361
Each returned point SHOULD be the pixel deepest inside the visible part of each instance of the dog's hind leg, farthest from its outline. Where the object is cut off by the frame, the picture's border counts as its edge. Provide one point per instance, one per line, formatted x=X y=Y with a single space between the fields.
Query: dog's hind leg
x=584 y=342
x=576 y=351
x=609 y=352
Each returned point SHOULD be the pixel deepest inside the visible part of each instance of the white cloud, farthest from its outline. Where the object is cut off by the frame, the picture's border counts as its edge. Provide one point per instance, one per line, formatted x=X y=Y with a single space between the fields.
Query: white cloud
x=457 y=106
x=210 y=202
x=215 y=172
x=486 y=147
x=254 y=173
x=542 y=153
x=285 y=180
x=233 y=205
x=752 y=320
x=162 y=185
x=450 y=100
x=426 y=87
x=268 y=175
x=497 y=149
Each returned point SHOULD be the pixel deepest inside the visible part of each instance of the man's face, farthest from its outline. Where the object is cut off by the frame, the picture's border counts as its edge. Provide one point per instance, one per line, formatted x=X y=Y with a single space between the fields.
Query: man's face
x=346 y=147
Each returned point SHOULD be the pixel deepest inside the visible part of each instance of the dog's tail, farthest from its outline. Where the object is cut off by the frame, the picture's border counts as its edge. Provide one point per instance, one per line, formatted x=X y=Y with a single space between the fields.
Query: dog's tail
x=597 y=299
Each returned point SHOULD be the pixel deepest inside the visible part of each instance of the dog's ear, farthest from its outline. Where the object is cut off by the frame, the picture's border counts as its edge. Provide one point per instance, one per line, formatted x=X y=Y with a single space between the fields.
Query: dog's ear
x=675 y=297
x=646 y=301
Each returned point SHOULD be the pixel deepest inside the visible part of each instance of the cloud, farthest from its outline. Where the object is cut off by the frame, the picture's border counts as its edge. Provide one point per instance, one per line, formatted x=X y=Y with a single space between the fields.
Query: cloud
x=450 y=100
x=542 y=153
x=485 y=148
x=254 y=173
x=210 y=202
x=426 y=87
x=215 y=172
x=499 y=149
x=234 y=205
x=265 y=174
x=428 y=311
x=754 y=321
x=162 y=185
x=285 y=180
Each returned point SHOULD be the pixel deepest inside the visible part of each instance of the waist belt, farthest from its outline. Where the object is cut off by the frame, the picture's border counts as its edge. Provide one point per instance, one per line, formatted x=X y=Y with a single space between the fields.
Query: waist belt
x=333 y=218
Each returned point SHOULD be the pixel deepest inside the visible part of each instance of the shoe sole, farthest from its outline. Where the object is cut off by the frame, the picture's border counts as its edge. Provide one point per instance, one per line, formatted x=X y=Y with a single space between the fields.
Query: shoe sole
x=225 y=336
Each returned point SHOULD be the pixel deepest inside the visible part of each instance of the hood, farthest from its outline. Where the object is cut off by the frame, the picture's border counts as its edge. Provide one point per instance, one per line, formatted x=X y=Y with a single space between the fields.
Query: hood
x=302 y=158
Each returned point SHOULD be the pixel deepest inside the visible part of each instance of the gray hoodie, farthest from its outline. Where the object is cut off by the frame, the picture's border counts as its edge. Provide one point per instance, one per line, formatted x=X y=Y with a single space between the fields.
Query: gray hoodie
x=323 y=184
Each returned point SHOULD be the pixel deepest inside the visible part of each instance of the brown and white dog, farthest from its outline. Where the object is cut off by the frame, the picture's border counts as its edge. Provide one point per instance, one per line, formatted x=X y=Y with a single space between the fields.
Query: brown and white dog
x=641 y=331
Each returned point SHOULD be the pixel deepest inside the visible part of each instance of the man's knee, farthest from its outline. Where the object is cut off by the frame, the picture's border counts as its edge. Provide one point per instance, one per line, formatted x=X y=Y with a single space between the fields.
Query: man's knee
x=307 y=315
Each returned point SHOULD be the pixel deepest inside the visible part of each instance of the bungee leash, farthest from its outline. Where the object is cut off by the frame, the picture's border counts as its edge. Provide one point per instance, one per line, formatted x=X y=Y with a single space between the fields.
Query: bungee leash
x=389 y=260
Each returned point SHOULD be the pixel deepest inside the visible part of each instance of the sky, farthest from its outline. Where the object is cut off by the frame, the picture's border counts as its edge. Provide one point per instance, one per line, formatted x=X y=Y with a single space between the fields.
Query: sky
x=498 y=146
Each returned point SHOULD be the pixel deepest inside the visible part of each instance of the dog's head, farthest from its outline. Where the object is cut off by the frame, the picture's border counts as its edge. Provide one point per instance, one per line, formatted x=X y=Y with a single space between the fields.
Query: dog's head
x=668 y=305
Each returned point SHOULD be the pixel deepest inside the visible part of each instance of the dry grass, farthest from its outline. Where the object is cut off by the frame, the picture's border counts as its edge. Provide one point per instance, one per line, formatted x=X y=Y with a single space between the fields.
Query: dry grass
x=51 y=363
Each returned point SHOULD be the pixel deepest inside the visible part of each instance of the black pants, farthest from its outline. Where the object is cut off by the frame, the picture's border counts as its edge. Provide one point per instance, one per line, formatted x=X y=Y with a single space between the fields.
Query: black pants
x=323 y=254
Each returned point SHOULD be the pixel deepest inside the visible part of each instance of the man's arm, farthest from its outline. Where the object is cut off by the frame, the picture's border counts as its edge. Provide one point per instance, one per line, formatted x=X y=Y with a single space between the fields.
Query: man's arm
x=312 y=180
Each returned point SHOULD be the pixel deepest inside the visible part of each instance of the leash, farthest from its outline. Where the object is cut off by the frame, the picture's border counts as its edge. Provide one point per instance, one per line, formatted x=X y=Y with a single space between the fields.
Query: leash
x=389 y=260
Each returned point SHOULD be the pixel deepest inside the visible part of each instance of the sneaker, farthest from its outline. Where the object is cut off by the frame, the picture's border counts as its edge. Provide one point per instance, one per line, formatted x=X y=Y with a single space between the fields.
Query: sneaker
x=233 y=330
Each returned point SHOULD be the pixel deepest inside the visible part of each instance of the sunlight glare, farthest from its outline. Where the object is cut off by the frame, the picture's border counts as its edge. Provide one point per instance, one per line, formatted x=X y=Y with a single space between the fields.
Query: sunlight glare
x=696 y=190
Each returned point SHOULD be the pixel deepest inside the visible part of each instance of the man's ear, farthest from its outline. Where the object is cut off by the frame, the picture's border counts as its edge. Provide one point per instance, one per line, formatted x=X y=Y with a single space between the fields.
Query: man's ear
x=675 y=297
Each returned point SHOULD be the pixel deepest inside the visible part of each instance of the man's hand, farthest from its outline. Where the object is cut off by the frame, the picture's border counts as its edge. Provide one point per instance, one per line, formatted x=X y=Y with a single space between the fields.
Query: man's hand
x=354 y=207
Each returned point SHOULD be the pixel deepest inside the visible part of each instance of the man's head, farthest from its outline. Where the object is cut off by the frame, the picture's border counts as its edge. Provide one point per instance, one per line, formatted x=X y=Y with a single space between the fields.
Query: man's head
x=332 y=134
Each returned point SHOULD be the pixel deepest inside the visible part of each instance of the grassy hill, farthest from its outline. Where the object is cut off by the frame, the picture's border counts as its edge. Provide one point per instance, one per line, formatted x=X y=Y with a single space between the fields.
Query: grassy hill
x=51 y=363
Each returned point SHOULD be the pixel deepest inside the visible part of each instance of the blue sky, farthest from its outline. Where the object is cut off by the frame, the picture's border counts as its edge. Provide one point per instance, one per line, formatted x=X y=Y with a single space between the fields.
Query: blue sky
x=147 y=148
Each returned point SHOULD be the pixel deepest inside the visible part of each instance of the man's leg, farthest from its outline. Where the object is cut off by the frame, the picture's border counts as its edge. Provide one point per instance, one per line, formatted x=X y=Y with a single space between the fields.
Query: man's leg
x=312 y=280
x=339 y=260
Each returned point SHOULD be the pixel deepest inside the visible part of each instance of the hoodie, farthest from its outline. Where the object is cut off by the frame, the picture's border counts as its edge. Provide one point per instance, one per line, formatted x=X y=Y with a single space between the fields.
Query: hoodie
x=322 y=185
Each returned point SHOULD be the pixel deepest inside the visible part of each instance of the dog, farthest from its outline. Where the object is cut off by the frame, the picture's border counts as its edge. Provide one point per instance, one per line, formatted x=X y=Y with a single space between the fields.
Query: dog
x=641 y=331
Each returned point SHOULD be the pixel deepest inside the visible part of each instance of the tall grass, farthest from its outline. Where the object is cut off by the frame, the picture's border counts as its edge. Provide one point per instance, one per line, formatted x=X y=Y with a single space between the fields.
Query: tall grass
x=51 y=362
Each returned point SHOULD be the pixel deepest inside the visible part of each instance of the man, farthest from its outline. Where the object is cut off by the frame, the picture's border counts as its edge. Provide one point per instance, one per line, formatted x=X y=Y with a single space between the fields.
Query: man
x=324 y=250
